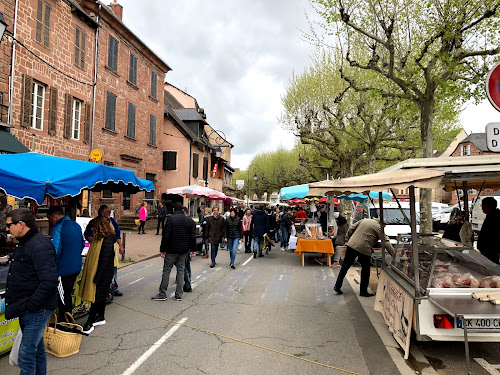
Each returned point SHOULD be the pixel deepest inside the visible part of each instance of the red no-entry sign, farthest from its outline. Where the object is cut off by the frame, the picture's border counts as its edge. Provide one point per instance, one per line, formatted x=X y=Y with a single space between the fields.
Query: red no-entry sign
x=493 y=86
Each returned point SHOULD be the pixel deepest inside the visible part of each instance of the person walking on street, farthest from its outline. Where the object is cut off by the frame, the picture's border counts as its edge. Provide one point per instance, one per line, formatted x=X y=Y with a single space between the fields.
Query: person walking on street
x=31 y=293
x=488 y=242
x=234 y=235
x=339 y=239
x=246 y=222
x=68 y=242
x=204 y=235
x=214 y=233
x=143 y=216
x=162 y=214
x=259 y=227
x=187 y=265
x=179 y=237
x=285 y=224
x=361 y=238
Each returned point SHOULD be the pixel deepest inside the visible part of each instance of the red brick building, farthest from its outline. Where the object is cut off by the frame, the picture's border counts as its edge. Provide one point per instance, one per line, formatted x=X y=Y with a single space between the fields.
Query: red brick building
x=7 y=8
x=129 y=105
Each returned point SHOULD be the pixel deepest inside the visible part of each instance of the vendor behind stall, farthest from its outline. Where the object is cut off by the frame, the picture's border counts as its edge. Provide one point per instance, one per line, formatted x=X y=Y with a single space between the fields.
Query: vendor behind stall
x=488 y=242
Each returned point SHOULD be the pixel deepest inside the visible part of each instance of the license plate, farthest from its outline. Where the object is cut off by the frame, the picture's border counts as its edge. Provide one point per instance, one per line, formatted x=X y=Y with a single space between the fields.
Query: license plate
x=487 y=324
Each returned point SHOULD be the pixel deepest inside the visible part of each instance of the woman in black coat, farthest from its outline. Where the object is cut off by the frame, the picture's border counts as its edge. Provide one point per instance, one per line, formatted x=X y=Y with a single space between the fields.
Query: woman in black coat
x=233 y=233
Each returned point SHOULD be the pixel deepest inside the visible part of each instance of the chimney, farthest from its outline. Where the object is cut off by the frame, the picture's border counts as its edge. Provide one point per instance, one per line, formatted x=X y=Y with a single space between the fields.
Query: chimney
x=117 y=9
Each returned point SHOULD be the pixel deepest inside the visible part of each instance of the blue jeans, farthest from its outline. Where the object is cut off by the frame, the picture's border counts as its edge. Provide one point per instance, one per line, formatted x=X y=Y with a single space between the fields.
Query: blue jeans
x=187 y=272
x=32 y=360
x=232 y=246
x=284 y=237
x=214 y=247
x=258 y=241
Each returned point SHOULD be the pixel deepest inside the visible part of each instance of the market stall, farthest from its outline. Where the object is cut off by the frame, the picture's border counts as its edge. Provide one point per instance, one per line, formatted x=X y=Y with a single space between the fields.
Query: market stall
x=441 y=289
x=35 y=176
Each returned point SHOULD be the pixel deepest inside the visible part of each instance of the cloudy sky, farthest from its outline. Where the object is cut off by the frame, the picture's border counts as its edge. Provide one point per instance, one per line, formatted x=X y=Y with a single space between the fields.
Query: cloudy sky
x=235 y=57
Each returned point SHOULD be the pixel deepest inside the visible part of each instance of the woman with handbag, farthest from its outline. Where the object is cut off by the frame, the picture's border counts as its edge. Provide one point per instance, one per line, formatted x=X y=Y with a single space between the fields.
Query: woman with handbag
x=143 y=216
x=97 y=272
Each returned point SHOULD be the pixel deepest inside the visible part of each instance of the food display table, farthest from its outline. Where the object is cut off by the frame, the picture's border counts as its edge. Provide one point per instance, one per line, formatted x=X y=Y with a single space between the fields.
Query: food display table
x=315 y=246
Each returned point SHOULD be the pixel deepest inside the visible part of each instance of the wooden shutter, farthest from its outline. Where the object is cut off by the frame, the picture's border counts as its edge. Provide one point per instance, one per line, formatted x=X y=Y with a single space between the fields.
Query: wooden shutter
x=205 y=168
x=82 y=50
x=131 y=120
x=68 y=111
x=52 y=111
x=26 y=100
x=39 y=18
x=196 y=162
x=152 y=130
x=110 y=111
x=87 y=124
x=46 y=26
x=172 y=160
x=113 y=53
x=132 y=74
x=77 y=46
x=154 y=79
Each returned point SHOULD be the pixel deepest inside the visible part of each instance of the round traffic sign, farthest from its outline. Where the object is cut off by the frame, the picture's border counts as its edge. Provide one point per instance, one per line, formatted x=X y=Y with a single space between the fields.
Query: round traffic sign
x=493 y=86
x=95 y=155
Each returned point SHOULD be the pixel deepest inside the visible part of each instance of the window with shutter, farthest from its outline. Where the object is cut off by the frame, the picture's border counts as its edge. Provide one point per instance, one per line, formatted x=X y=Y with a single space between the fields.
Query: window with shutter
x=169 y=160
x=79 y=48
x=154 y=79
x=37 y=105
x=87 y=124
x=205 y=168
x=75 y=119
x=150 y=194
x=42 y=28
x=68 y=115
x=152 y=130
x=132 y=71
x=131 y=121
x=113 y=53
x=110 y=111
x=52 y=111
x=196 y=161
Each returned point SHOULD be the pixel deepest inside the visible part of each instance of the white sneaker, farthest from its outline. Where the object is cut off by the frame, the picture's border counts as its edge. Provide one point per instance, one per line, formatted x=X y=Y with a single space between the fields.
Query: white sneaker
x=282 y=248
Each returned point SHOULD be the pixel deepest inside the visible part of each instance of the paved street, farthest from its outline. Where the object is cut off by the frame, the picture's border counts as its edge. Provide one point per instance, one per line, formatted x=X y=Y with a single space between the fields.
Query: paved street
x=266 y=317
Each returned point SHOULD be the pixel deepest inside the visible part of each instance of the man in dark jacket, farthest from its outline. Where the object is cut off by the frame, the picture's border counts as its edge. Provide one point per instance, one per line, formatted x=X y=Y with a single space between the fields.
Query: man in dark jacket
x=214 y=233
x=259 y=227
x=31 y=288
x=234 y=235
x=67 y=239
x=488 y=242
x=162 y=213
x=179 y=237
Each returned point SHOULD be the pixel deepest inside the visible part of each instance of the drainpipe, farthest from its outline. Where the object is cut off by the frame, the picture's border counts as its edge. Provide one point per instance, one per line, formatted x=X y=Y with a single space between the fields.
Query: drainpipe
x=95 y=77
x=12 y=61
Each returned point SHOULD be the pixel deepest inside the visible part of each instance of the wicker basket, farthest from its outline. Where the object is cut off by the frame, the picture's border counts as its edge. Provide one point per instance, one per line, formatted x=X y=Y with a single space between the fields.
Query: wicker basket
x=60 y=343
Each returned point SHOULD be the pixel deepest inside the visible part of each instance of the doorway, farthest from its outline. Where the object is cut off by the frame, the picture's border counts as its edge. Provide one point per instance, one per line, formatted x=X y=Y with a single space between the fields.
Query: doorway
x=126 y=201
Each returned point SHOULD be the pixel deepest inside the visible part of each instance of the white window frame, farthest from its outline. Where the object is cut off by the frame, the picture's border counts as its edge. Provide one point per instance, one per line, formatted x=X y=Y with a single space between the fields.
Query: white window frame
x=467 y=150
x=76 y=120
x=34 y=96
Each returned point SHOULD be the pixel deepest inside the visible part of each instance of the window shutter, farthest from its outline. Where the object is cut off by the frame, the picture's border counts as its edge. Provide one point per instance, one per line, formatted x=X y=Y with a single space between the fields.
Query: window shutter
x=52 y=111
x=113 y=53
x=131 y=120
x=205 y=168
x=26 y=99
x=68 y=110
x=196 y=161
x=87 y=124
x=152 y=130
x=165 y=160
x=46 y=28
x=82 y=50
x=110 y=111
x=77 y=46
x=39 y=17
x=153 y=84
x=172 y=160
x=132 y=74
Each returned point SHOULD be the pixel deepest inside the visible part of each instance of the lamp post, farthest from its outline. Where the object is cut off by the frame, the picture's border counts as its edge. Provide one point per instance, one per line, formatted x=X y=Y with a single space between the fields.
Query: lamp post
x=255 y=169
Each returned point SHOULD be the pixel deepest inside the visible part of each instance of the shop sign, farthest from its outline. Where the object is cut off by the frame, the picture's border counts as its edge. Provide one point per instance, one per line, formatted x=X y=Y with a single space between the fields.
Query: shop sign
x=240 y=184
x=8 y=332
x=493 y=86
x=396 y=305
x=83 y=222
x=493 y=136
x=95 y=155
x=214 y=171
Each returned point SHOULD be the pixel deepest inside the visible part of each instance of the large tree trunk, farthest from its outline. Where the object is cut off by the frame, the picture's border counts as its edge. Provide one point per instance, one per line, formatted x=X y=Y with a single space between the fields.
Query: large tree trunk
x=426 y=116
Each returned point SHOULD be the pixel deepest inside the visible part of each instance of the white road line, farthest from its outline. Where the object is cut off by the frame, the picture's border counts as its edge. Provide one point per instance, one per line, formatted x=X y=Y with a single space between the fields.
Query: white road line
x=194 y=284
x=492 y=369
x=153 y=348
x=246 y=261
x=133 y=282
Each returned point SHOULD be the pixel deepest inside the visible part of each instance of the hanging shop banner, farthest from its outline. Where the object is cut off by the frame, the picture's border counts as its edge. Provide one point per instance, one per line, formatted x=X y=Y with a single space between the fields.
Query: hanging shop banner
x=396 y=305
x=240 y=184
x=214 y=171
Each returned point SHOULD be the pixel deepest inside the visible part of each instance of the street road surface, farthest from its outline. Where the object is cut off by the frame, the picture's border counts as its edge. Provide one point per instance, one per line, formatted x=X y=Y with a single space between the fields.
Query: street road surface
x=262 y=318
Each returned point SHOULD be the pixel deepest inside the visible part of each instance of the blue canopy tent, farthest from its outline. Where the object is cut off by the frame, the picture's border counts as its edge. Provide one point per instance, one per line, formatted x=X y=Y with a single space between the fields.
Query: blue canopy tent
x=33 y=175
x=362 y=197
x=302 y=191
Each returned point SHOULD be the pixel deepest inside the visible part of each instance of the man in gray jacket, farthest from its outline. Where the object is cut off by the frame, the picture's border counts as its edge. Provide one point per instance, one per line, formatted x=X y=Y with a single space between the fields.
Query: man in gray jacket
x=361 y=238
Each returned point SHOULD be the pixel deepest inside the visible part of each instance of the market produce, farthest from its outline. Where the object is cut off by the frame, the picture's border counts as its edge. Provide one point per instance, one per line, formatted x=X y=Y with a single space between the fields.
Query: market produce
x=490 y=282
x=442 y=280
x=465 y=280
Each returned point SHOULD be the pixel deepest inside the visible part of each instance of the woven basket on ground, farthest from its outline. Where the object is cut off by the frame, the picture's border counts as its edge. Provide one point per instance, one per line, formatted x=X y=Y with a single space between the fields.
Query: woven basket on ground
x=60 y=343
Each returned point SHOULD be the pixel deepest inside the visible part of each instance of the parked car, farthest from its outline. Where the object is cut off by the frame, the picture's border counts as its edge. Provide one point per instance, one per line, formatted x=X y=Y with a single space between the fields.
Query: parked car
x=437 y=207
x=395 y=221
x=445 y=216
x=478 y=215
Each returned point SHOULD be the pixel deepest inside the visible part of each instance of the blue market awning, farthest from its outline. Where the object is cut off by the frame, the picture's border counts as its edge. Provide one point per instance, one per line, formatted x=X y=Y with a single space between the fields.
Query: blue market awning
x=33 y=175
x=362 y=197
x=292 y=192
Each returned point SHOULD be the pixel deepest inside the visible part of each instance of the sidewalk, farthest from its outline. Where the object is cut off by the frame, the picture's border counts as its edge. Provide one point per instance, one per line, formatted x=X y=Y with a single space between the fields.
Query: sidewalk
x=140 y=247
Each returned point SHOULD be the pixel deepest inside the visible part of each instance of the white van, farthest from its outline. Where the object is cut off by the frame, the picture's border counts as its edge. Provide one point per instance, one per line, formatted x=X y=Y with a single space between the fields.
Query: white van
x=396 y=223
x=478 y=215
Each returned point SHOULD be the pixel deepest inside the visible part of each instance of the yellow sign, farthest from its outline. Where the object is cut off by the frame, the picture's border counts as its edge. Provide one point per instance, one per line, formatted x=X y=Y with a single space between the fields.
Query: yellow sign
x=95 y=155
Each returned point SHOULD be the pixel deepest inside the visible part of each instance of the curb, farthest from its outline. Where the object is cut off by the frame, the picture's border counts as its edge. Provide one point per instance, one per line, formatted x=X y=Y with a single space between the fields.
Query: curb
x=137 y=262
